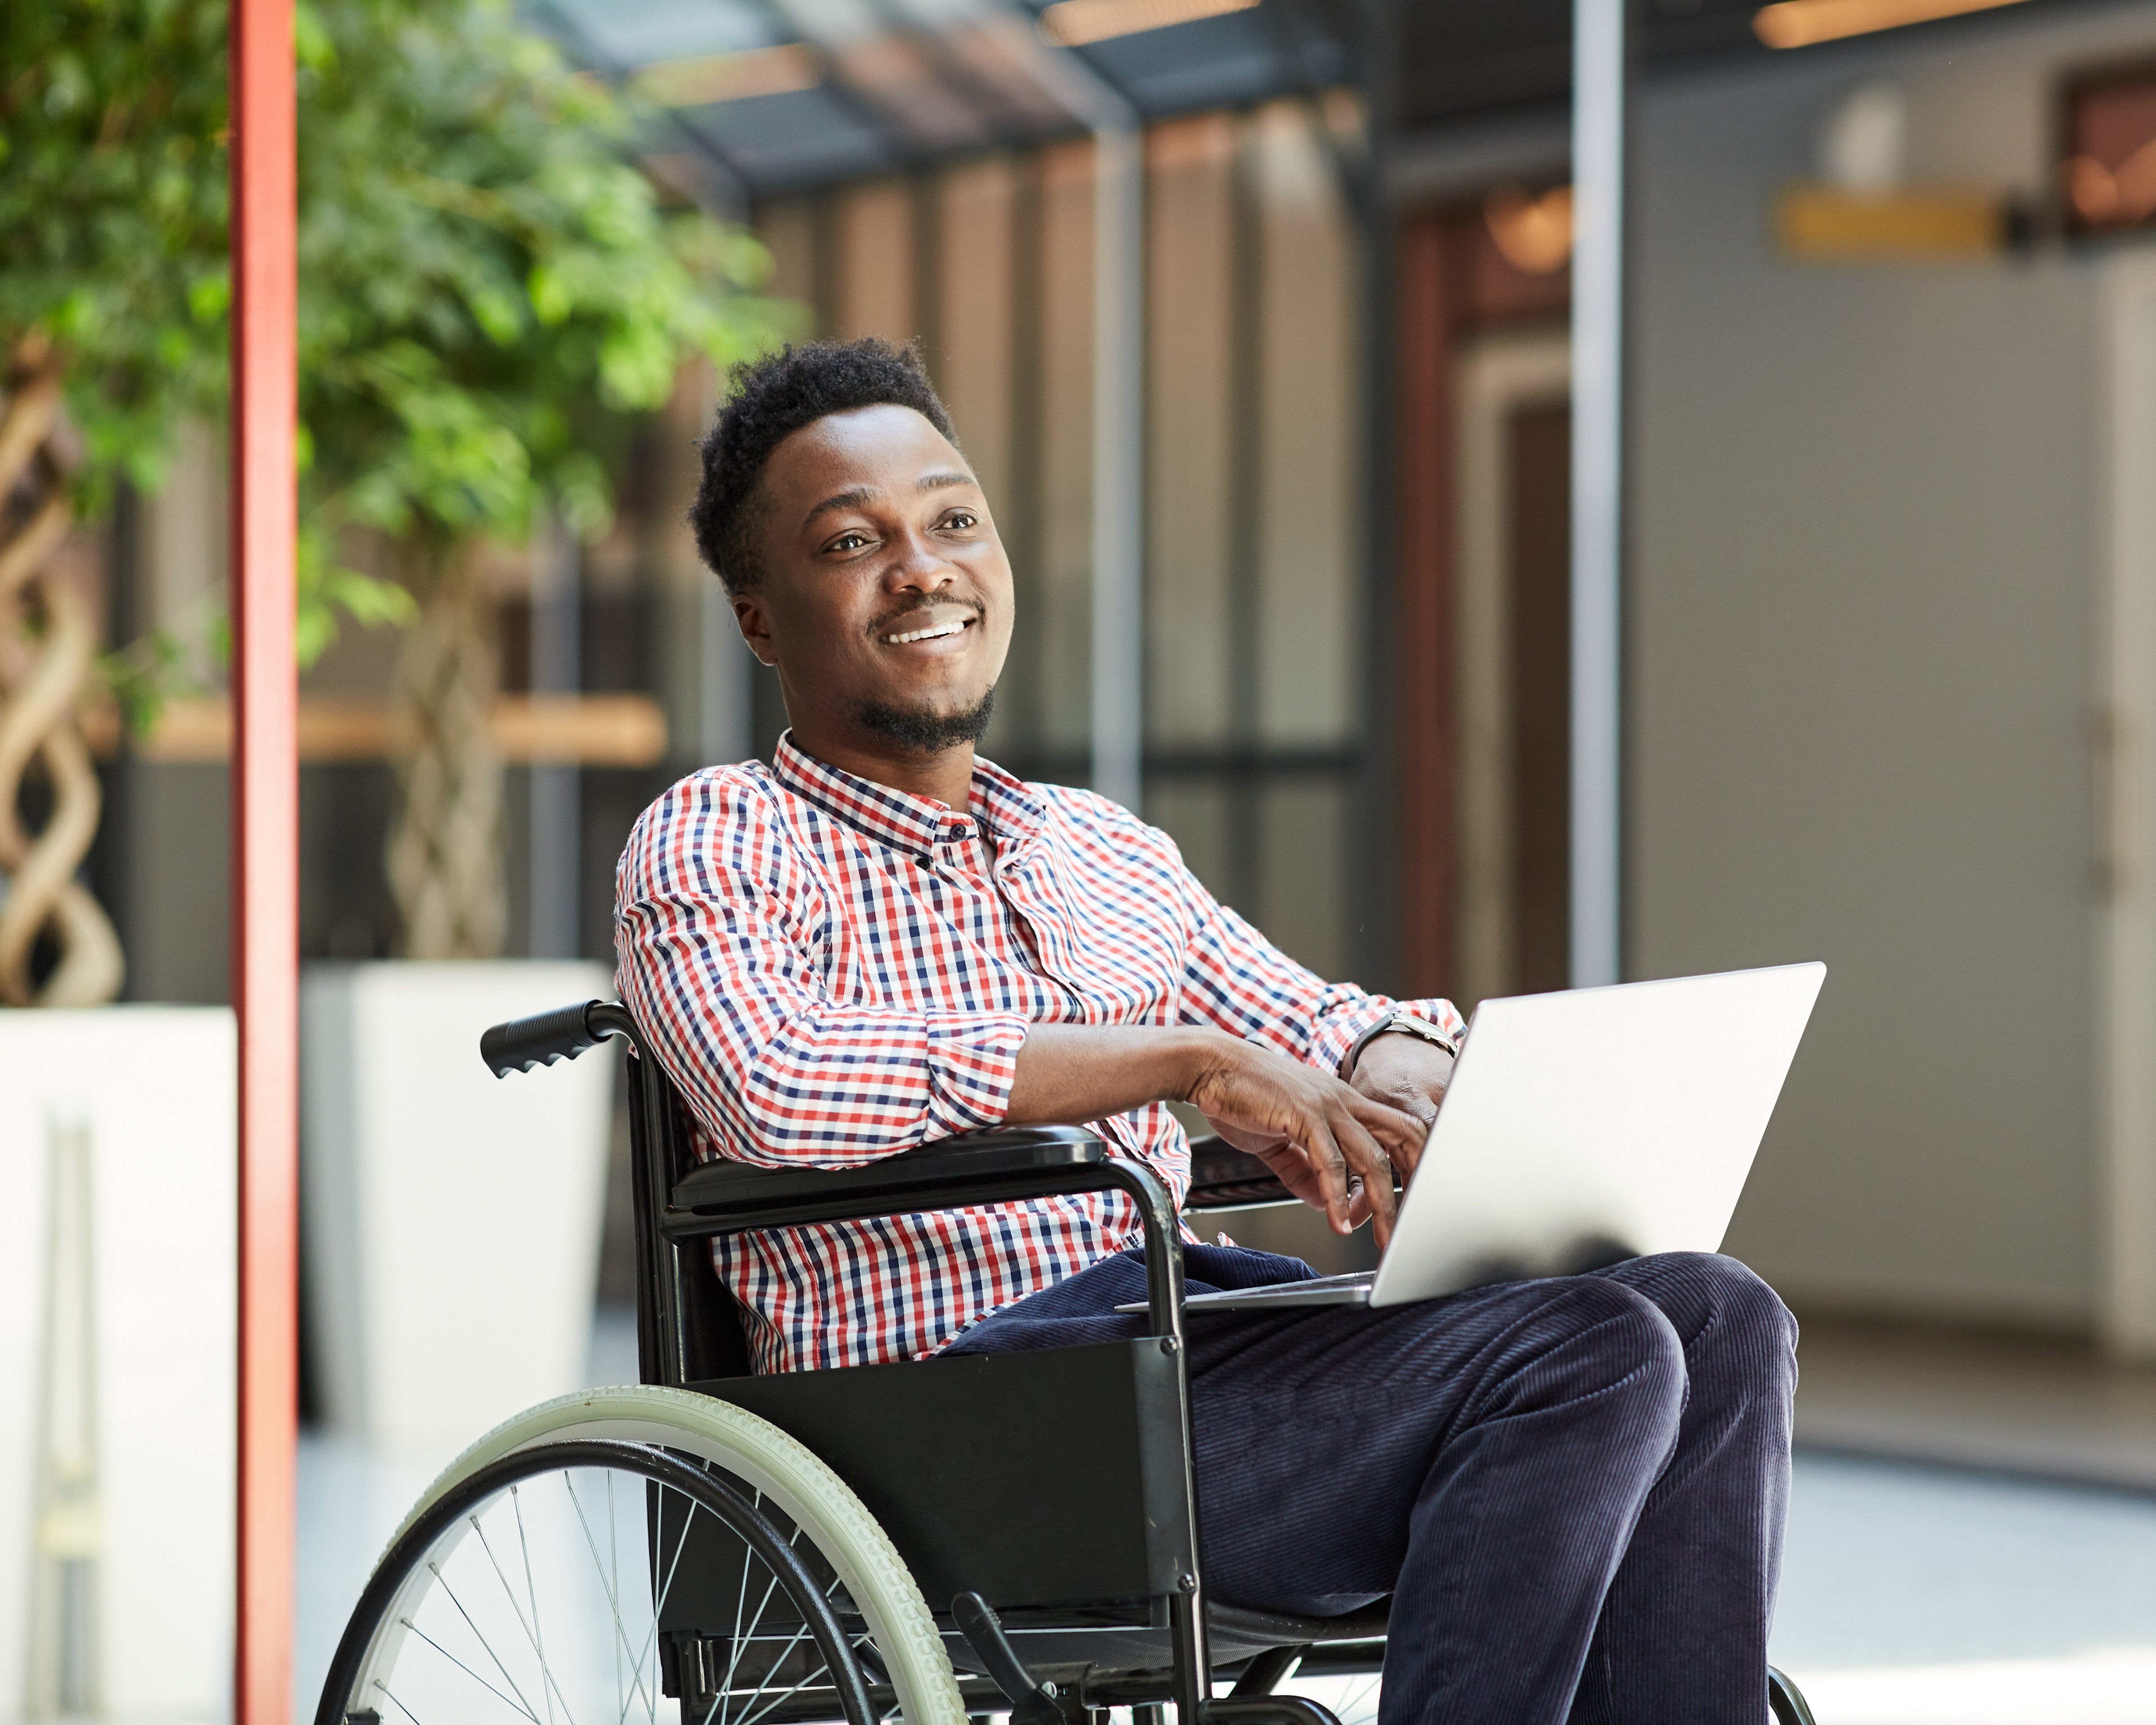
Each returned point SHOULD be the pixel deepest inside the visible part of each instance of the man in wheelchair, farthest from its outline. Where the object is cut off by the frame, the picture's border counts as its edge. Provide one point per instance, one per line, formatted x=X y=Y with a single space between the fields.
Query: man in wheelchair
x=1572 y=1490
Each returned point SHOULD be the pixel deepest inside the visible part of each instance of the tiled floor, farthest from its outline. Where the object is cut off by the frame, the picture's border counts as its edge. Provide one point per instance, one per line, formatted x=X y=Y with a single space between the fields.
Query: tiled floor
x=1912 y=1594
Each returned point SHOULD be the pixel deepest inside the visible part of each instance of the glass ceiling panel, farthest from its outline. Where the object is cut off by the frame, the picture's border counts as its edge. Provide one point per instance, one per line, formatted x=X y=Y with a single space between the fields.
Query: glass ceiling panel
x=784 y=143
x=784 y=95
x=788 y=94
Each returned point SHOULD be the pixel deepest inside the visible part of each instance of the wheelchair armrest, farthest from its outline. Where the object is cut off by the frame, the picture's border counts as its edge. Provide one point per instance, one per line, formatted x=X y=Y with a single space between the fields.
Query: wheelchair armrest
x=747 y=1197
x=994 y=1167
x=1221 y=1177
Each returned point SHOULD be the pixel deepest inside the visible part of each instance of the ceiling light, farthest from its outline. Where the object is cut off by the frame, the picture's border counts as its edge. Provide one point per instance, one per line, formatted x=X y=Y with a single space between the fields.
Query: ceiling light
x=1534 y=234
x=1071 y=23
x=1799 y=23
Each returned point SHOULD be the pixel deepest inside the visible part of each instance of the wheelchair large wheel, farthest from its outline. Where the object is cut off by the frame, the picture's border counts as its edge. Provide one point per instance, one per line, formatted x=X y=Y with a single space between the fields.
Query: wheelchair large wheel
x=640 y=1554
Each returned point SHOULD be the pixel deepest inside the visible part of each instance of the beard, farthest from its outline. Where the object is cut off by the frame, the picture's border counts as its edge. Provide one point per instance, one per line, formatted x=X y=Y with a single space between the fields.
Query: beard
x=931 y=733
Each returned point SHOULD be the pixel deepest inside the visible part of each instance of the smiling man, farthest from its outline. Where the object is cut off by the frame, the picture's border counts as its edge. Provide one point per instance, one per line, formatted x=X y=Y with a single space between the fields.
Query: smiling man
x=1571 y=1489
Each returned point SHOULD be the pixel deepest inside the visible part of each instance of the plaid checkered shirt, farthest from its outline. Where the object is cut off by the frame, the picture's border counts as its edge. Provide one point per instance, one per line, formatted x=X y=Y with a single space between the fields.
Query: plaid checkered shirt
x=827 y=978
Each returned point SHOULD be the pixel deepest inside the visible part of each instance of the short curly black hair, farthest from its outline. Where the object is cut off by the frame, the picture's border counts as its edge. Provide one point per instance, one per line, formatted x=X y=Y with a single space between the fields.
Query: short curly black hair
x=772 y=399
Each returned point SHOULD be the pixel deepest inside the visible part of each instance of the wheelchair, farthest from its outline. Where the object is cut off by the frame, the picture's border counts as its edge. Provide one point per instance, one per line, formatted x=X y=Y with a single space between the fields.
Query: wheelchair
x=934 y=1541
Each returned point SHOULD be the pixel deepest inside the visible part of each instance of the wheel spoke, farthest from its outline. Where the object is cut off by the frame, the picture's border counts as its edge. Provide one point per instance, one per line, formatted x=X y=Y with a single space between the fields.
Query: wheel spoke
x=435 y=1570
x=613 y=1601
x=739 y=1599
x=467 y=1669
x=548 y=1688
x=755 y=1623
x=776 y=1700
x=660 y=1604
x=733 y=1660
x=508 y=1593
x=614 y=1559
x=749 y=1718
x=402 y=1708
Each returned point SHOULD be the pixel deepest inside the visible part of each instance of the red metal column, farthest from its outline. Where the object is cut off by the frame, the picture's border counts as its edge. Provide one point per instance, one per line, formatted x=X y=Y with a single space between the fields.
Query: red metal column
x=265 y=887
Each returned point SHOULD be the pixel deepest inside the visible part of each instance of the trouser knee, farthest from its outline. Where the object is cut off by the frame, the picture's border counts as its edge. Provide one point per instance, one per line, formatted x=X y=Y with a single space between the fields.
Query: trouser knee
x=1722 y=1311
x=1587 y=1341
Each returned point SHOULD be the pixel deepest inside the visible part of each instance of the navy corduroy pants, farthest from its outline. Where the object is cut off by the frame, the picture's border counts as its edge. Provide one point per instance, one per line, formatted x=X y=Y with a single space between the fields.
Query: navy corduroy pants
x=1572 y=1489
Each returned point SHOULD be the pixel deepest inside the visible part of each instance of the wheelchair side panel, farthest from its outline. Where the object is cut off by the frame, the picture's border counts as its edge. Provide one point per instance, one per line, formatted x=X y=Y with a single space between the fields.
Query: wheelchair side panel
x=1052 y=1478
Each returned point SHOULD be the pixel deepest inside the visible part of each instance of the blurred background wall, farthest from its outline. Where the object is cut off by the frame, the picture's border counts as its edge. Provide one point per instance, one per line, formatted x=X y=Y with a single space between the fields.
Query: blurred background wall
x=1865 y=676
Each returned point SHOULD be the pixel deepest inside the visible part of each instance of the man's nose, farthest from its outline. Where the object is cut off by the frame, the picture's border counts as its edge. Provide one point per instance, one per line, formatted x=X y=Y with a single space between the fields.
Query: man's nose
x=919 y=565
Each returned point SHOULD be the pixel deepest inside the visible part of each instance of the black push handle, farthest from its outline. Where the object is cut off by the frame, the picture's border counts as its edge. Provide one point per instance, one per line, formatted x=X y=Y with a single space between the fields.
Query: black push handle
x=547 y=1037
x=1032 y=1703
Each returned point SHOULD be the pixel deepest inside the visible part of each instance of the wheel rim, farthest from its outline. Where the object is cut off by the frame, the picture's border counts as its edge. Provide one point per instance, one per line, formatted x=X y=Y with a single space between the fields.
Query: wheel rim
x=578 y=1582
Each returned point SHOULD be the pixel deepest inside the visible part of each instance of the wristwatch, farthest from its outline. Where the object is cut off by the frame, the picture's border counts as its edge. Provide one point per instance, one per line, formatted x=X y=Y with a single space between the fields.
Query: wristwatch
x=1407 y=1024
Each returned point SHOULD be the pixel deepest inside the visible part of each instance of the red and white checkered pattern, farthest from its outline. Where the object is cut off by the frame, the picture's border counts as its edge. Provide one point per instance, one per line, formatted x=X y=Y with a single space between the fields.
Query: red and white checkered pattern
x=827 y=979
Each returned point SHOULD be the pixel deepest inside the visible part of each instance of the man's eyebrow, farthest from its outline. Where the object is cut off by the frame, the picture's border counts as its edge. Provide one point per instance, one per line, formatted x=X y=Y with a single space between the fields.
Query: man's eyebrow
x=850 y=499
x=855 y=495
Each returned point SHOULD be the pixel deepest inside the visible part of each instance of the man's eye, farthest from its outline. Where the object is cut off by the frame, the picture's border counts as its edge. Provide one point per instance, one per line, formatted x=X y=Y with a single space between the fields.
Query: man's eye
x=961 y=519
x=850 y=541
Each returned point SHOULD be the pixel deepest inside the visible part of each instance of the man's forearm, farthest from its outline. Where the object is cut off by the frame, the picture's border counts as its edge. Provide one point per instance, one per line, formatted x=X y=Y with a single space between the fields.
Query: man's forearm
x=1069 y=1073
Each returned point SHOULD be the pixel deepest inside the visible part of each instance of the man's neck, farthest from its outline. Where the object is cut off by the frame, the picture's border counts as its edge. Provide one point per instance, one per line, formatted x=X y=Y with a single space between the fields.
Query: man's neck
x=947 y=776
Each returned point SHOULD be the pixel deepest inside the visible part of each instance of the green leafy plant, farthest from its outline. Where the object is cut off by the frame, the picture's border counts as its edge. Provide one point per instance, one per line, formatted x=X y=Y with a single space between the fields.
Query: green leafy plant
x=490 y=292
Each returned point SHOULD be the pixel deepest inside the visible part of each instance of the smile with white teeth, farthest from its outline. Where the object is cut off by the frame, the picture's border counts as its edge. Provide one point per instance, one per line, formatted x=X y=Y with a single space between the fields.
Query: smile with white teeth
x=926 y=634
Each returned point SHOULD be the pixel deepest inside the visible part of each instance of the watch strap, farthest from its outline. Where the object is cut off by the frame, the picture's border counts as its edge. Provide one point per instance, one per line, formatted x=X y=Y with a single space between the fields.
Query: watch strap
x=1407 y=1024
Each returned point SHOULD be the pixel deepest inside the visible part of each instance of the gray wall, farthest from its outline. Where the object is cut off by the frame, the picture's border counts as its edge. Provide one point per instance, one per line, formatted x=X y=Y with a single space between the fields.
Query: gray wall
x=1861 y=640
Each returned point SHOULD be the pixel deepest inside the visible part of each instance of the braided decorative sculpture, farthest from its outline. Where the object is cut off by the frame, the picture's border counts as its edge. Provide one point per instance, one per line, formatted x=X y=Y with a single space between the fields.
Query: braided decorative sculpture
x=47 y=642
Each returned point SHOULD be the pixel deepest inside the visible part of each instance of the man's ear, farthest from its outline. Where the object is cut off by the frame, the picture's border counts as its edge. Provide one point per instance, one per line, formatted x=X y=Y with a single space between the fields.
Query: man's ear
x=755 y=626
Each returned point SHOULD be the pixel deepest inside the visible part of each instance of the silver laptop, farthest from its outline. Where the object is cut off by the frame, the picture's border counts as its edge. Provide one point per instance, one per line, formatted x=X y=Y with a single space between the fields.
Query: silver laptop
x=1581 y=1129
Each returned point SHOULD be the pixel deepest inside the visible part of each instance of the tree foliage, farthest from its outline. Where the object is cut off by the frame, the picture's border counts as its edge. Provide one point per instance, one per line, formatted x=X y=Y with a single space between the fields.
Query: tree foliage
x=113 y=213
x=489 y=285
x=489 y=288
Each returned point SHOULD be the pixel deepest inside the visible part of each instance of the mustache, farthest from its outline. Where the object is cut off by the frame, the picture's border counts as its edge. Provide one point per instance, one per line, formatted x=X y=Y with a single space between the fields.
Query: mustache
x=888 y=622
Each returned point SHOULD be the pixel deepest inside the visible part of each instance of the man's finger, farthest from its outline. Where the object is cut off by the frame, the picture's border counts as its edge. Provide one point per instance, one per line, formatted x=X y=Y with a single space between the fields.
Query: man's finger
x=1294 y=1169
x=1368 y=1158
x=1331 y=1167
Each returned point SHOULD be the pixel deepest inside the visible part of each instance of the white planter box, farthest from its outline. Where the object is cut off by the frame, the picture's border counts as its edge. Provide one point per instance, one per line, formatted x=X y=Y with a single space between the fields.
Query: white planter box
x=154 y=1088
x=452 y=1219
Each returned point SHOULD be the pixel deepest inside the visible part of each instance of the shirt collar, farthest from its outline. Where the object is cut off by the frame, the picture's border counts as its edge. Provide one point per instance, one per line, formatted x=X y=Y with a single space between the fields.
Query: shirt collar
x=1002 y=802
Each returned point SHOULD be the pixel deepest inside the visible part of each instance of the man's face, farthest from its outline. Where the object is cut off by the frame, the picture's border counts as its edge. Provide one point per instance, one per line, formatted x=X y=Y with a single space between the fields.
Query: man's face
x=885 y=596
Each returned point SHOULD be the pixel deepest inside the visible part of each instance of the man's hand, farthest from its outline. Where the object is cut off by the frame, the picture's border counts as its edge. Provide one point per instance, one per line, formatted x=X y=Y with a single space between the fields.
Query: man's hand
x=1333 y=1148
x=1407 y=1074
